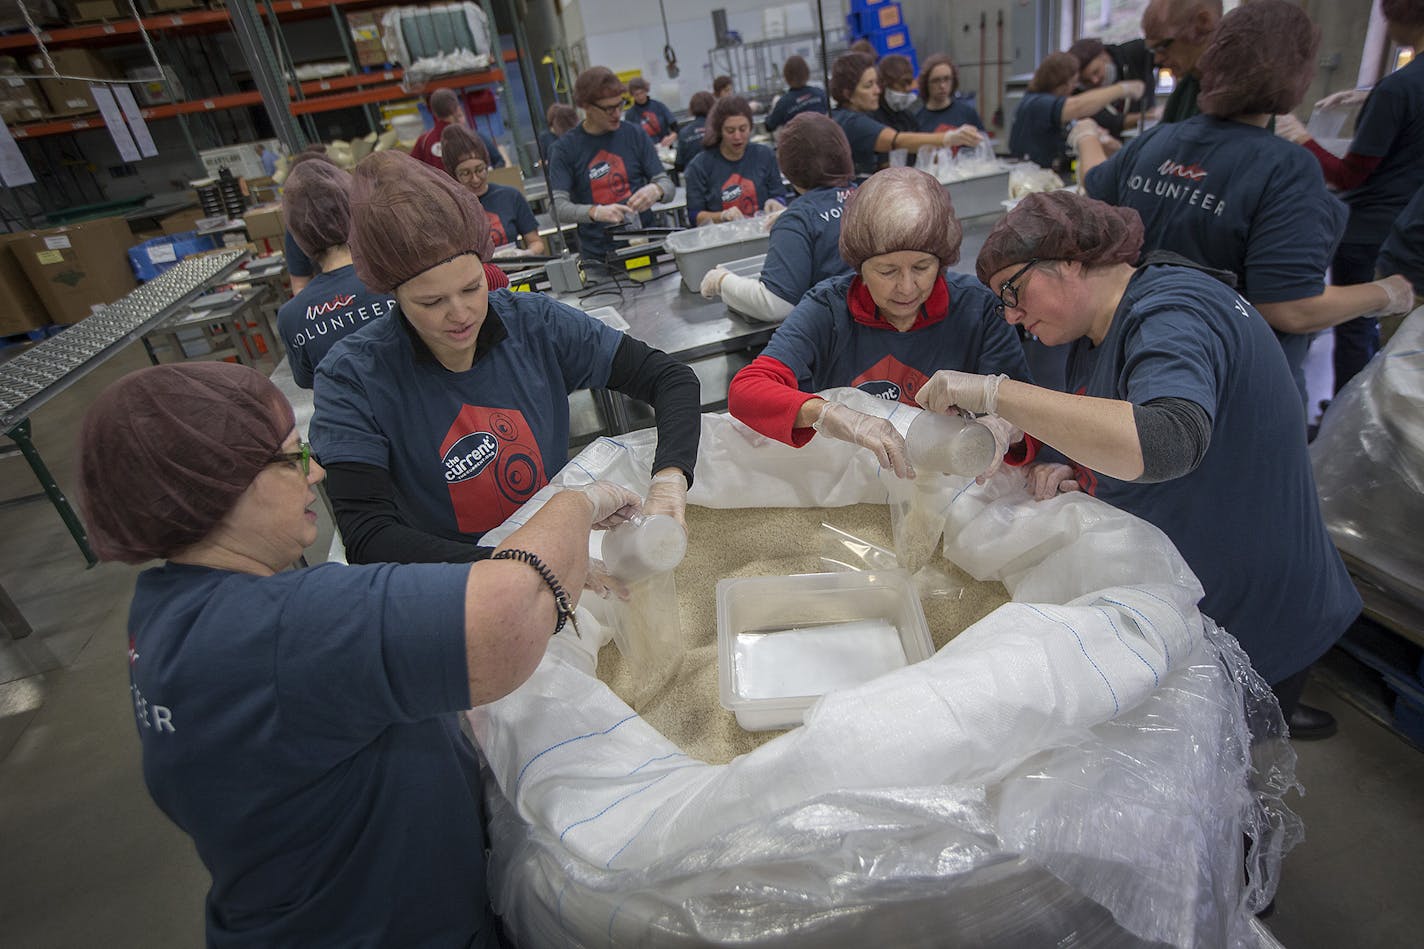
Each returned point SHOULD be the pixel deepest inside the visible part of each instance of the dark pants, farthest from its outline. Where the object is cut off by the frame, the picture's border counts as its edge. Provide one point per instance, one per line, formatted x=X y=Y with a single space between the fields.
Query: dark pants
x=1358 y=340
x=1288 y=692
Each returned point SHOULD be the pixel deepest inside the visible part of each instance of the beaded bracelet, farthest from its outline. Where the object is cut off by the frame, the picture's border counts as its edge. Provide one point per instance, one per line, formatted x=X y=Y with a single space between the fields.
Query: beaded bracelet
x=562 y=605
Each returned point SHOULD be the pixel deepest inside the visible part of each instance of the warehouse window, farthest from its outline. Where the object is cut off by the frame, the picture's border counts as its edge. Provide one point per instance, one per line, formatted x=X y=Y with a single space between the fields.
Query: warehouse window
x=1116 y=21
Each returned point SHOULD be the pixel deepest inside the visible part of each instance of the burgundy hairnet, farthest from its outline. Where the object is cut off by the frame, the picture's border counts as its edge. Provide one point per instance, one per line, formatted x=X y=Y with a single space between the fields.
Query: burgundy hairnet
x=406 y=217
x=900 y=209
x=594 y=83
x=725 y=108
x=1059 y=225
x=1260 y=60
x=316 y=206
x=813 y=152
x=165 y=452
x=562 y=117
x=458 y=144
x=846 y=73
x=1055 y=70
x=1086 y=50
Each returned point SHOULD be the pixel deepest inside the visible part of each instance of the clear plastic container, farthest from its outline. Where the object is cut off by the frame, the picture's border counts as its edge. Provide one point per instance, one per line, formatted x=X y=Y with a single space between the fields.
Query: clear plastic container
x=643 y=546
x=949 y=443
x=783 y=642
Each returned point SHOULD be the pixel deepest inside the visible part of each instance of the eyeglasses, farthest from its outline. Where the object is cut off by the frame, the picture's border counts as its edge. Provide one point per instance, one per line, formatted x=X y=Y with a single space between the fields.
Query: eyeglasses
x=474 y=171
x=1162 y=47
x=301 y=457
x=1009 y=289
x=612 y=111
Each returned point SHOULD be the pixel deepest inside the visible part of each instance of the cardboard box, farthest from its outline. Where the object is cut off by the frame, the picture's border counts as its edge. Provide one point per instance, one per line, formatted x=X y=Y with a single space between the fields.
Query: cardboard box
x=77 y=267
x=21 y=309
x=88 y=11
x=70 y=96
x=367 y=36
x=264 y=221
x=153 y=90
x=182 y=222
x=20 y=100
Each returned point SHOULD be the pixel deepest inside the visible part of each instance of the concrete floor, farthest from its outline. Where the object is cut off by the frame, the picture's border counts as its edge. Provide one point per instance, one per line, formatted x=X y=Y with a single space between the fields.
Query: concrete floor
x=89 y=861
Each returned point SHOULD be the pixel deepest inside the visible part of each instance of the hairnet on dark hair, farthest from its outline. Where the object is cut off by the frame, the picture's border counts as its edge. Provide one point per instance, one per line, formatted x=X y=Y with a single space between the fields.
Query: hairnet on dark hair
x=316 y=206
x=1086 y=50
x=1054 y=71
x=562 y=117
x=726 y=107
x=845 y=75
x=638 y=83
x=796 y=72
x=900 y=209
x=165 y=452
x=813 y=152
x=444 y=103
x=594 y=83
x=458 y=144
x=1059 y=225
x=315 y=152
x=701 y=103
x=1260 y=60
x=406 y=217
x=930 y=65
x=894 y=68
x=721 y=82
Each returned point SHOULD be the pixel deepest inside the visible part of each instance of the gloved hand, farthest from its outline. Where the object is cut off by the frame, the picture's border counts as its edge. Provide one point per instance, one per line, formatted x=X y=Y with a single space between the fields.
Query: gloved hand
x=1084 y=128
x=1006 y=435
x=1133 y=88
x=1290 y=128
x=949 y=388
x=845 y=423
x=601 y=583
x=610 y=213
x=1338 y=100
x=731 y=214
x=645 y=197
x=773 y=207
x=510 y=250
x=1048 y=479
x=612 y=503
x=965 y=135
x=1401 y=294
x=668 y=495
x=668 y=140
x=712 y=282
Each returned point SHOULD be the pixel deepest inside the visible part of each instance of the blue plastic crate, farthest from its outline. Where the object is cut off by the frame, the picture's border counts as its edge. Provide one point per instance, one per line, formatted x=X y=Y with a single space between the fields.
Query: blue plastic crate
x=882 y=16
x=859 y=5
x=154 y=256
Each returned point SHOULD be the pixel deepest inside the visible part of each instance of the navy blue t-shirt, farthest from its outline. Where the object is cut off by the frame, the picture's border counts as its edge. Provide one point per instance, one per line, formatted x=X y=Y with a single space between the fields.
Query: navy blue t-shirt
x=714 y=183
x=1038 y=133
x=298 y=263
x=1246 y=520
x=464 y=449
x=1391 y=126
x=689 y=141
x=951 y=117
x=795 y=101
x=301 y=728
x=602 y=169
x=652 y=117
x=509 y=214
x=1403 y=250
x=333 y=306
x=1234 y=197
x=861 y=131
x=824 y=346
x=804 y=248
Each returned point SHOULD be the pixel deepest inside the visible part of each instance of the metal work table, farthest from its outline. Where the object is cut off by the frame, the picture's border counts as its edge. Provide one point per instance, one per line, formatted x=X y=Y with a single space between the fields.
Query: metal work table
x=234 y=315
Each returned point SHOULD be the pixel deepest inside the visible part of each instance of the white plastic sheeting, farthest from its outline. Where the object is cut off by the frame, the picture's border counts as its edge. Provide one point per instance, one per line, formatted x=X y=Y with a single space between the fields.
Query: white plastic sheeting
x=1072 y=770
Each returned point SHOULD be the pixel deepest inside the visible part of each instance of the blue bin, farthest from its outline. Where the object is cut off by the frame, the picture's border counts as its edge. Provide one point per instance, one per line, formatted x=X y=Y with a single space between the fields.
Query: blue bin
x=154 y=256
x=883 y=16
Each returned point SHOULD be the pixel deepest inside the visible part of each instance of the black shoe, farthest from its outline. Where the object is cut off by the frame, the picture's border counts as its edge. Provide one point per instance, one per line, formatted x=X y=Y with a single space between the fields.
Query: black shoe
x=1311 y=724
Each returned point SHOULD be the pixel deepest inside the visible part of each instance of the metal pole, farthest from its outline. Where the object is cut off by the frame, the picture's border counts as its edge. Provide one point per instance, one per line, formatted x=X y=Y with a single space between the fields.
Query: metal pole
x=531 y=92
x=20 y=434
x=497 y=57
x=262 y=61
x=825 y=66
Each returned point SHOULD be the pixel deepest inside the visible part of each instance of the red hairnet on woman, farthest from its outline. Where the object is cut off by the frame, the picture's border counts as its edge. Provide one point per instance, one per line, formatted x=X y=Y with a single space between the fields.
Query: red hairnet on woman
x=283 y=713
x=1184 y=414
x=438 y=423
x=733 y=177
x=885 y=328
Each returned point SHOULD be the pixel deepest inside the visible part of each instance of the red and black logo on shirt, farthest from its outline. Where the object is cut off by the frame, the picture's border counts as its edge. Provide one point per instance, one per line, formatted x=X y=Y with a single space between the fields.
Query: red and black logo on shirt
x=497 y=235
x=651 y=125
x=491 y=464
x=740 y=193
x=892 y=380
x=608 y=178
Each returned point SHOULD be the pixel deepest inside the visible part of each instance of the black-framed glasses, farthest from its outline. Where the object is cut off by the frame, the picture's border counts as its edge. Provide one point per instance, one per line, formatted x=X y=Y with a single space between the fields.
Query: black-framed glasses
x=301 y=457
x=1162 y=47
x=1009 y=289
x=612 y=111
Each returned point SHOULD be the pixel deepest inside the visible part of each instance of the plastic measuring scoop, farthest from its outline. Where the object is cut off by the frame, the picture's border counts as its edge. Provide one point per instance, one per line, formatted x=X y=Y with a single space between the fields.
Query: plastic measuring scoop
x=949 y=443
x=644 y=545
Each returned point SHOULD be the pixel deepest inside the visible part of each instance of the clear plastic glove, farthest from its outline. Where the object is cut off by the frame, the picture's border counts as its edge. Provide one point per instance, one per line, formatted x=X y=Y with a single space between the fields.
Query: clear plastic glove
x=1290 y=128
x=1340 y=100
x=579 y=642
x=601 y=583
x=731 y=214
x=1133 y=88
x=508 y=250
x=846 y=424
x=668 y=495
x=1401 y=294
x=1084 y=128
x=1006 y=435
x=669 y=140
x=712 y=282
x=965 y=135
x=773 y=207
x=1048 y=479
x=645 y=197
x=612 y=503
x=951 y=389
x=610 y=213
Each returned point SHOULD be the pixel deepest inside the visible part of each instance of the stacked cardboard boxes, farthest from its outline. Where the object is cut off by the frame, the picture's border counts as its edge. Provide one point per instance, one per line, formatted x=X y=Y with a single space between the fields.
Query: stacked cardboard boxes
x=69 y=96
x=21 y=309
x=367 y=36
x=20 y=100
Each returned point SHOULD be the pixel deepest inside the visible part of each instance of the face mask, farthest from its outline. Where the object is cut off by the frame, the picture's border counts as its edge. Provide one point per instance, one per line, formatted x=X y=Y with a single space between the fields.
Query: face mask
x=898 y=101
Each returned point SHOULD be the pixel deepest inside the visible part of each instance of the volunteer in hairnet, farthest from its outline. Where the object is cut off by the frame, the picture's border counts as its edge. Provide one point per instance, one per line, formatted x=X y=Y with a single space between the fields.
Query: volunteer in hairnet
x=733 y=178
x=804 y=247
x=1223 y=191
x=884 y=329
x=300 y=725
x=689 y=136
x=510 y=217
x=1182 y=411
x=439 y=422
x=649 y=114
x=1040 y=129
x=316 y=204
x=938 y=82
x=800 y=96
x=604 y=171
